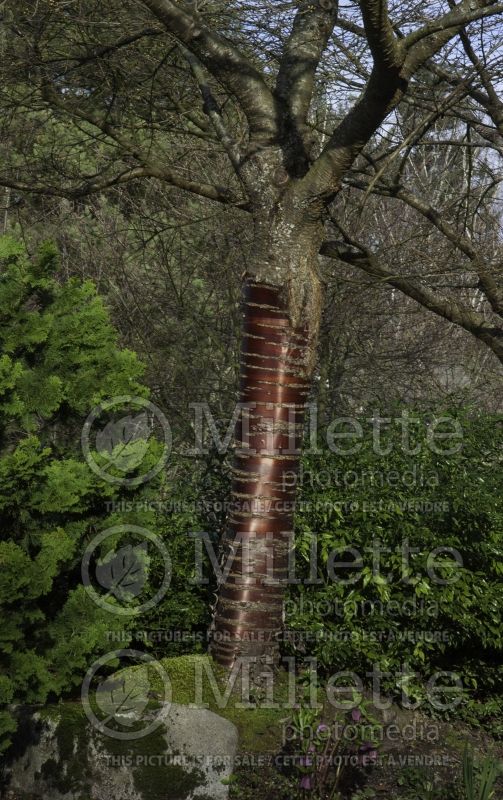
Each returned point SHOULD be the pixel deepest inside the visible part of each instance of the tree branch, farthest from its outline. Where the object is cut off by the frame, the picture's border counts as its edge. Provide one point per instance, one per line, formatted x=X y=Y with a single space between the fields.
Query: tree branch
x=487 y=281
x=147 y=167
x=423 y=43
x=383 y=92
x=226 y=63
x=385 y=47
x=209 y=191
x=212 y=110
x=462 y=316
x=108 y=49
x=311 y=31
x=488 y=284
x=490 y=99
x=395 y=61
x=493 y=109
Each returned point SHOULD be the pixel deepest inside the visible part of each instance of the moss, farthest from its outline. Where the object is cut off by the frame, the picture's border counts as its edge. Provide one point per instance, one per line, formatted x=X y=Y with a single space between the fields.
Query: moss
x=458 y=738
x=152 y=780
x=166 y=782
x=70 y=772
x=71 y=733
x=50 y=771
x=153 y=744
x=259 y=728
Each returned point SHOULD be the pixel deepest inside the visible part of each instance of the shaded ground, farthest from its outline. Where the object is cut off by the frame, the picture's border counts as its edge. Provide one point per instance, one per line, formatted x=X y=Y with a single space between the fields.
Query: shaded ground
x=406 y=769
x=417 y=757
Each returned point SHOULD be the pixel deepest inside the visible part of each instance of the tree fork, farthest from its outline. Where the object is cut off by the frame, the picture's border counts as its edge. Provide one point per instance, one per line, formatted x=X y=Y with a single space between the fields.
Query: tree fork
x=274 y=390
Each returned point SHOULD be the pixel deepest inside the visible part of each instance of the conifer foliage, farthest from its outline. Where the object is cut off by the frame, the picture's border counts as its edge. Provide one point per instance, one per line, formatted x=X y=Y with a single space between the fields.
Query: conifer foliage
x=59 y=357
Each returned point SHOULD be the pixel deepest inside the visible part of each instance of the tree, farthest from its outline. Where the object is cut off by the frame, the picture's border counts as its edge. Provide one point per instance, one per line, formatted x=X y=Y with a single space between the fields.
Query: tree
x=59 y=358
x=256 y=66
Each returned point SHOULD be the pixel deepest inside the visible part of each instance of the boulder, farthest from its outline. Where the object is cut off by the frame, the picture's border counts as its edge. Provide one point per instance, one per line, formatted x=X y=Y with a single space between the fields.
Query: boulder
x=58 y=754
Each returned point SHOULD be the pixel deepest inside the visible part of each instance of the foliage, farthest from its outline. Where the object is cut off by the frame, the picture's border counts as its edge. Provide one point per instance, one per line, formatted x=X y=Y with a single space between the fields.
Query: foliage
x=325 y=750
x=60 y=357
x=398 y=611
x=479 y=779
x=151 y=244
x=416 y=783
x=179 y=623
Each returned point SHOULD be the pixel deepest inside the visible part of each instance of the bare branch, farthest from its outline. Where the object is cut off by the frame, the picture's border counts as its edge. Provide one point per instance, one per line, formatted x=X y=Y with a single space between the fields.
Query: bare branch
x=494 y=109
x=212 y=110
x=472 y=321
x=311 y=30
x=487 y=281
x=488 y=284
x=395 y=61
x=381 y=95
x=226 y=63
x=384 y=46
x=209 y=191
x=108 y=49
x=147 y=168
x=490 y=99
x=426 y=41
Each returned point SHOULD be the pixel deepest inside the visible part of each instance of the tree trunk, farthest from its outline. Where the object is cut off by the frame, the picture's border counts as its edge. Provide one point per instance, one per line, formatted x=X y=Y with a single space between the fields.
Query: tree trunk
x=274 y=391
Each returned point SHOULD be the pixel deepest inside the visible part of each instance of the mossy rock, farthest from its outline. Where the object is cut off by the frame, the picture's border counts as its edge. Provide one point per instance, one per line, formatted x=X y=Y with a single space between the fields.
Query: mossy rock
x=195 y=717
x=198 y=680
x=173 y=751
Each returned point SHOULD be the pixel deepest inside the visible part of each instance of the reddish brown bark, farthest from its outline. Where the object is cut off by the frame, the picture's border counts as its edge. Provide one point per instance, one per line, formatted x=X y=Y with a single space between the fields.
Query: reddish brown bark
x=274 y=391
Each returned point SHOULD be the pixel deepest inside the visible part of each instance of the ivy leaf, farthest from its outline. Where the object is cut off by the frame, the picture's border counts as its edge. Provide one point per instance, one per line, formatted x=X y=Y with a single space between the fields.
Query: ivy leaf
x=125 y=573
x=125 y=441
x=121 y=701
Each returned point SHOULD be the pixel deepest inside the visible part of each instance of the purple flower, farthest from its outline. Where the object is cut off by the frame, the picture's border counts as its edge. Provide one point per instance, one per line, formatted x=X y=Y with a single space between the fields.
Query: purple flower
x=368 y=753
x=322 y=728
x=356 y=715
x=305 y=782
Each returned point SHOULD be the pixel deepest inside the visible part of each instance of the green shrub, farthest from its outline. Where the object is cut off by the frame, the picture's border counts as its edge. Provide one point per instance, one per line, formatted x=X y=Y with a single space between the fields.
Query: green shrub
x=446 y=500
x=60 y=357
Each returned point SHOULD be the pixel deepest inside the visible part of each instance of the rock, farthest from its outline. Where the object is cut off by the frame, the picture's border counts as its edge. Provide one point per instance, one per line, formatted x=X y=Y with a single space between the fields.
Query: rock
x=59 y=754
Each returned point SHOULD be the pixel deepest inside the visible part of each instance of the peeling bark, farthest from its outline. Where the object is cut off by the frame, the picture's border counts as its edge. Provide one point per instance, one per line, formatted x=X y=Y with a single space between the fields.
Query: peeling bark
x=274 y=391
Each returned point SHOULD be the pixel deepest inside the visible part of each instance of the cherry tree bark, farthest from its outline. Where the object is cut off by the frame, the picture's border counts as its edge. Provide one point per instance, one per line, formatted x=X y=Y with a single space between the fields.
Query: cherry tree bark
x=273 y=394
